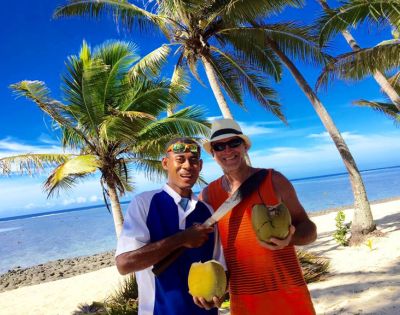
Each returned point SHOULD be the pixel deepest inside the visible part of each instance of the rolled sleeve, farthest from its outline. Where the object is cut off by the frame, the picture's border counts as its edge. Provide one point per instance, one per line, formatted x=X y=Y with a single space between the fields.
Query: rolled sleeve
x=135 y=233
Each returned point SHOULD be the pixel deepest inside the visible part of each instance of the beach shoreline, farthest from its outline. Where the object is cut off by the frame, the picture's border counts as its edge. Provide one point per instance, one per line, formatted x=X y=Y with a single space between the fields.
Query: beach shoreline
x=55 y=270
x=362 y=280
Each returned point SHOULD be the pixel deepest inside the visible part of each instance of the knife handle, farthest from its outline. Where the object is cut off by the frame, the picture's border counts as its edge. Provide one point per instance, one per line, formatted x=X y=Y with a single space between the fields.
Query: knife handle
x=163 y=264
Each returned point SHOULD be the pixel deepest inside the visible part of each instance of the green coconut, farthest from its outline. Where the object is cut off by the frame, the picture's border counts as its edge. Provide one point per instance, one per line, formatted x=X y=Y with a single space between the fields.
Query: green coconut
x=271 y=221
x=207 y=280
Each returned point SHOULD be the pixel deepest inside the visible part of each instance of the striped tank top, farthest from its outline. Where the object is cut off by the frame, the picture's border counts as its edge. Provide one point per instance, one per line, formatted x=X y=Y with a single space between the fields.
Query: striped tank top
x=262 y=281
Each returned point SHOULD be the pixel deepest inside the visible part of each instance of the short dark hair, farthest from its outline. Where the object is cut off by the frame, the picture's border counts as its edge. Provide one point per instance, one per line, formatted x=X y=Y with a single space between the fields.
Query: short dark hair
x=186 y=140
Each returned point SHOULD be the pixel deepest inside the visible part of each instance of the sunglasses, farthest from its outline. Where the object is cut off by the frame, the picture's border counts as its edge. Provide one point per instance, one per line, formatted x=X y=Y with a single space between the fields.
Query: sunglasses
x=220 y=146
x=184 y=147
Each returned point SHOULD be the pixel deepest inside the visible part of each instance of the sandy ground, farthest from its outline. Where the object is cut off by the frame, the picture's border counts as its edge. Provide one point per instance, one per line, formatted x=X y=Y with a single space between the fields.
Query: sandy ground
x=363 y=280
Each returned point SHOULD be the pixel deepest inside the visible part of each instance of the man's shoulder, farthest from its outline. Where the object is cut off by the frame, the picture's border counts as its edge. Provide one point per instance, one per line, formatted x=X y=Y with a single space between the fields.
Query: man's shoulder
x=145 y=196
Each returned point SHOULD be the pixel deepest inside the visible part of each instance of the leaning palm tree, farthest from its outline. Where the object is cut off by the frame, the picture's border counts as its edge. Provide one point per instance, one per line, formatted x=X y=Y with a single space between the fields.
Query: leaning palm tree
x=288 y=41
x=195 y=29
x=113 y=121
x=233 y=49
x=373 y=61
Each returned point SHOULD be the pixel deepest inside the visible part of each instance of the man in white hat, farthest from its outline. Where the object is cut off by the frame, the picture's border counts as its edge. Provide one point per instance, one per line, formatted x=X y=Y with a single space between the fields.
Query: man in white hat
x=265 y=277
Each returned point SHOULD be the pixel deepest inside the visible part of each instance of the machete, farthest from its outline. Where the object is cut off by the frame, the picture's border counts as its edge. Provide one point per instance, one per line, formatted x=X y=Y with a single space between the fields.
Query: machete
x=245 y=189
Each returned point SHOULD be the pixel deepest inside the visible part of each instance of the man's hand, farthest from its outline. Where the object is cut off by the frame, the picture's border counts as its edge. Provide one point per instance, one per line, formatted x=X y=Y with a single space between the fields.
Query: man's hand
x=196 y=235
x=276 y=243
x=201 y=302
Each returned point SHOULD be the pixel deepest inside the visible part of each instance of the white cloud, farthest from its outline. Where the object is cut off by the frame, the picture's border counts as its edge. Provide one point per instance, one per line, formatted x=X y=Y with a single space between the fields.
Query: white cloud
x=10 y=147
x=322 y=157
x=93 y=198
x=347 y=136
x=30 y=205
x=81 y=200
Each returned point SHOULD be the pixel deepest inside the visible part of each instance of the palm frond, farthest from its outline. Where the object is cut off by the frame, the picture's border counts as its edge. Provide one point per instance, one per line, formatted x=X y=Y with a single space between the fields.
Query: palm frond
x=359 y=64
x=150 y=97
x=255 y=85
x=40 y=94
x=180 y=84
x=388 y=109
x=250 y=47
x=66 y=174
x=118 y=57
x=186 y=122
x=248 y=10
x=31 y=163
x=151 y=168
x=151 y=64
x=227 y=77
x=354 y=12
x=122 y=11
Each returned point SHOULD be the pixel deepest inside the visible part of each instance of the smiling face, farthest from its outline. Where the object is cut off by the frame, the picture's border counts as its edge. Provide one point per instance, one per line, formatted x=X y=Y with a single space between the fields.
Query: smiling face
x=183 y=171
x=232 y=157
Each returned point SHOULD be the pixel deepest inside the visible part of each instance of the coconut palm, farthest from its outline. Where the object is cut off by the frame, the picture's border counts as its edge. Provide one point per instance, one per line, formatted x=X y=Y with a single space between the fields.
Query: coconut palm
x=373 y=61
x=287 y=41
x=244 y=48
x=232 y=64
x=112 y=121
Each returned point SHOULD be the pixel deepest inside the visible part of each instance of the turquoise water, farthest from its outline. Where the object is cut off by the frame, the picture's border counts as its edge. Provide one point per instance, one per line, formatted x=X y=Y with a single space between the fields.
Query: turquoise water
x=33 y=240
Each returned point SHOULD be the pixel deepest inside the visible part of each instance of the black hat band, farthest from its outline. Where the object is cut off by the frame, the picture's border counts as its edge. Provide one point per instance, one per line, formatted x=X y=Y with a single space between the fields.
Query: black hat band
x=225 y=131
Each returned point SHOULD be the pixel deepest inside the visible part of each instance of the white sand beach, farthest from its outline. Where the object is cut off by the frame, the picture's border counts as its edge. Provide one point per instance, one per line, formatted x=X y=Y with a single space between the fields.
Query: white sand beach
x=363 y=280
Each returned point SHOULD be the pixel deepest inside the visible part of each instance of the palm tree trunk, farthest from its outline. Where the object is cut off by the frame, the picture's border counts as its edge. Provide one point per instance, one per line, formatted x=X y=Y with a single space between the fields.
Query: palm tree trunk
x=226 y=112
x=362 y=219
x=385 y=85
x=115 y=208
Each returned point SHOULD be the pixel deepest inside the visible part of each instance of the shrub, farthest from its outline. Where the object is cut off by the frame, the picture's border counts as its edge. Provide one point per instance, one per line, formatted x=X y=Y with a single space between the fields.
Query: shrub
x=342 y=229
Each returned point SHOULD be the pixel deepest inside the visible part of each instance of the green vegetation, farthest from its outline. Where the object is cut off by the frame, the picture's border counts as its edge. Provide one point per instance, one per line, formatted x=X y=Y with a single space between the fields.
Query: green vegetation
x=213 y=34
x=342 y=229
x=377 y=61
x=123 y=302
x=314 y=267
x=113 y=121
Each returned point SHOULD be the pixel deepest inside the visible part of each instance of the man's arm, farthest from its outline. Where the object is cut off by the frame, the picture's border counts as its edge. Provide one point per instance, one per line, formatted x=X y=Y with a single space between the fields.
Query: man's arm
x=152 y=253
x=303 y=230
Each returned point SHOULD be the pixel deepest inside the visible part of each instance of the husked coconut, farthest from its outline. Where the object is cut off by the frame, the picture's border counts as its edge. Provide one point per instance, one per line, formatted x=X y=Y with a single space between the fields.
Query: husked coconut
x=270 y=221
x=207 y=280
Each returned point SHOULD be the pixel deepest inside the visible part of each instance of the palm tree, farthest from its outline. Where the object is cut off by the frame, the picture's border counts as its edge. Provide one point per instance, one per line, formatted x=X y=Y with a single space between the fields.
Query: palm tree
x=373 y=61
x=244 y=49
x=112 y=120
x=195 y=28
x=286 y=40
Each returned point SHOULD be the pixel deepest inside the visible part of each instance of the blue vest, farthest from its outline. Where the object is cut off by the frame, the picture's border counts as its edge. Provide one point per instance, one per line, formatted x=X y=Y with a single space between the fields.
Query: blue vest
x=172 y=293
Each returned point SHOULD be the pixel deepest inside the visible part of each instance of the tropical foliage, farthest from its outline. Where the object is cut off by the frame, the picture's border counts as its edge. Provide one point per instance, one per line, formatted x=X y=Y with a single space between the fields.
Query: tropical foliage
x=210 y=33
x=373 y=61
x=238 y=49
x=113 y=121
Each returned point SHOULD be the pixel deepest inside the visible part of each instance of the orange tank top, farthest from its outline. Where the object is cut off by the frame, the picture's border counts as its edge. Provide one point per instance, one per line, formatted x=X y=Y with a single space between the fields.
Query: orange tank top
x=262 y=282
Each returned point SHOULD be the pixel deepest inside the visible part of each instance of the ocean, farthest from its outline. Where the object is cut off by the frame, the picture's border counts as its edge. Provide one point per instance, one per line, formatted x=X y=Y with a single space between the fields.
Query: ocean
x=33 y=240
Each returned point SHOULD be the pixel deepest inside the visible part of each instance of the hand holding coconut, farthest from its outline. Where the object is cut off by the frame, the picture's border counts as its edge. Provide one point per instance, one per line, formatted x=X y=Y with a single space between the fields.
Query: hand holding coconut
x=272 y=225
x=207 y=284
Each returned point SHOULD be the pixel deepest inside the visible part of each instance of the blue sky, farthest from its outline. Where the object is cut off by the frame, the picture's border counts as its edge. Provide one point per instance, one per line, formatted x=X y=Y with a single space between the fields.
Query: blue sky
x=35 y=47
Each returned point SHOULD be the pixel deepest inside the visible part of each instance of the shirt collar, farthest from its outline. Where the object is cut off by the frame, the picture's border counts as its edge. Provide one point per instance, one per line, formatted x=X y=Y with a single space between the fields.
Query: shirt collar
x=177 y=198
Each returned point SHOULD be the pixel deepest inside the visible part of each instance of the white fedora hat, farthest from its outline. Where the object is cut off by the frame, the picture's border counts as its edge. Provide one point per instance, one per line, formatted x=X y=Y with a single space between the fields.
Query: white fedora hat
x=222 y=129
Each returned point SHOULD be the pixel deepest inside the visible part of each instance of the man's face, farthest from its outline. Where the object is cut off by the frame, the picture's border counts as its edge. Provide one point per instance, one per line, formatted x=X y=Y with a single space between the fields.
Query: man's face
x=183 y=171
x=229 y=153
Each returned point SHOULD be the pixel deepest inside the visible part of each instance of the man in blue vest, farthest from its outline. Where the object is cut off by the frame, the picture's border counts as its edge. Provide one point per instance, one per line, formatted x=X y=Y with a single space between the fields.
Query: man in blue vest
x=161 y=221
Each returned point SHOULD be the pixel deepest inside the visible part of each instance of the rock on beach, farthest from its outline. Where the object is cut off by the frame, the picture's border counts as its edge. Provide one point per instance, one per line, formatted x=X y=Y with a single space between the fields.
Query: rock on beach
x=54 y=270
